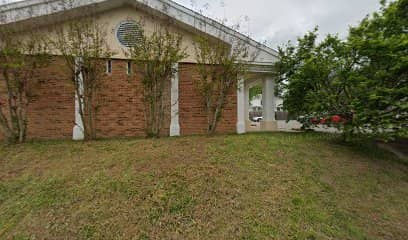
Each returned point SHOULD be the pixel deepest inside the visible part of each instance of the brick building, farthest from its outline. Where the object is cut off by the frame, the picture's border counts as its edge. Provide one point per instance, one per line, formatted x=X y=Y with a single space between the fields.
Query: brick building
x=53 y=111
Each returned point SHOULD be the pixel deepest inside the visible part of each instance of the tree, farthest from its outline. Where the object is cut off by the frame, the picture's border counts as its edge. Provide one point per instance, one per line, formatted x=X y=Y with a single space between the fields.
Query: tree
x=358 y=85
x=83 y=45
x=156 y=54
x=381 y=42
x=20 y=59
x=255 y=91
x=316 y=80
x=219 y=65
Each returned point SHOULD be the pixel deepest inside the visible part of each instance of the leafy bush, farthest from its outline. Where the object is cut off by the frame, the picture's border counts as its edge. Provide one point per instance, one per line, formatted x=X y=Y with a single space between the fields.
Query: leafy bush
x=358 y=85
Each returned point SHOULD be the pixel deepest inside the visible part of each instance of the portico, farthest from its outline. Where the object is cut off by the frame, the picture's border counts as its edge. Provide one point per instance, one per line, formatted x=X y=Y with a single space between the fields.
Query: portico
x=258 y=76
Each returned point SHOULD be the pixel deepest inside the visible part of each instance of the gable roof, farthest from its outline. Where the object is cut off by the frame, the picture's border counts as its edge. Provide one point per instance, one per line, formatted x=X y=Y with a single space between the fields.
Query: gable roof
x=29 y=9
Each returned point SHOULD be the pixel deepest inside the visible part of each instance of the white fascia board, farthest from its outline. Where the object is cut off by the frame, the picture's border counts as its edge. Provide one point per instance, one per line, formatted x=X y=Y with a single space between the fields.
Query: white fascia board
x=24 y=10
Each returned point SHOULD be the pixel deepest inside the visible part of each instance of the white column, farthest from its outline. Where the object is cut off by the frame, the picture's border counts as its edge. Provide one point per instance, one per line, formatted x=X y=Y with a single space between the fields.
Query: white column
x=78 y=131
x=269 y=123
x=241 y=124
x=175 y=123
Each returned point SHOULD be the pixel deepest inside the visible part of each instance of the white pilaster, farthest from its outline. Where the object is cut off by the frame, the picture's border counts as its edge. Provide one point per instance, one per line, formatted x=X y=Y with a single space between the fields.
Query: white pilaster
x=269 y=123
x=175 y=123
x=241 y=124
x=78 y=131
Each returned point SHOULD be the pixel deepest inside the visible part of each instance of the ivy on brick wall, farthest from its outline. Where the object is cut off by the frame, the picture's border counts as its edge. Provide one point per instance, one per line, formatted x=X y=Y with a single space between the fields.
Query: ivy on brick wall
x=219 y=65
x=20 y=60
x=83 y=45
x=157 y=53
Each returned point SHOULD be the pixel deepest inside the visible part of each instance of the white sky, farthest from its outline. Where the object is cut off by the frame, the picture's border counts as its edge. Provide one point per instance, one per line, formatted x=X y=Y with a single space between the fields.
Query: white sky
x=277 y=21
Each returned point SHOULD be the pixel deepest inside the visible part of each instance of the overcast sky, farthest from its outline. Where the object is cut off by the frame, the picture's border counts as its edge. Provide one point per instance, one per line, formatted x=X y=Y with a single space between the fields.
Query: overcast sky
x=277 y=21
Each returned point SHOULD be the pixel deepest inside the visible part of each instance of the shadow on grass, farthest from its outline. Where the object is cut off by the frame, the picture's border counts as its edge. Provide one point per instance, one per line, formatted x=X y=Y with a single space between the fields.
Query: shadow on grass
x=368 y=148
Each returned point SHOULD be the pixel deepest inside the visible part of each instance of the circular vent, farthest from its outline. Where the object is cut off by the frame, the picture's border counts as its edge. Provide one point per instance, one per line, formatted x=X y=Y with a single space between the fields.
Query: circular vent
x=129 y=33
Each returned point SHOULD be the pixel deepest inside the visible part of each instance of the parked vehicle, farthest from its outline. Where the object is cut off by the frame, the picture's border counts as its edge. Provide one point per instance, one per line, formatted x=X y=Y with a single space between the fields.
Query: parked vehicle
x=257 y=119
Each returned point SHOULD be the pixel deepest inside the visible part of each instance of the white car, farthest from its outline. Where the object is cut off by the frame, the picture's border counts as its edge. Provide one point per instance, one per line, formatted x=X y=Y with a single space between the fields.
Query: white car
x=258 y=119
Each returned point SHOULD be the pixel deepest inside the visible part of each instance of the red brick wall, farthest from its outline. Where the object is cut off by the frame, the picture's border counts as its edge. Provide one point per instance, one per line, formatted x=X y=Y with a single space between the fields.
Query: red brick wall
x=120 y=104
x=119 y=100
x=193 y=119
x=3 y=95
x=51 y=110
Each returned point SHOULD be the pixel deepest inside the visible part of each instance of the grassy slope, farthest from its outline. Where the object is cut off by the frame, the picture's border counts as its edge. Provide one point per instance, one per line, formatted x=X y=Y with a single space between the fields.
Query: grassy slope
x=261 y=186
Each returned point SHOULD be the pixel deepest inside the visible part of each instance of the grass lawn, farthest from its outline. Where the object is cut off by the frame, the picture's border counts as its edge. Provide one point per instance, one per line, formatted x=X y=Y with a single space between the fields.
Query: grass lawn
x=258 y=186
